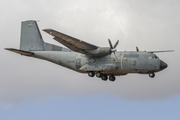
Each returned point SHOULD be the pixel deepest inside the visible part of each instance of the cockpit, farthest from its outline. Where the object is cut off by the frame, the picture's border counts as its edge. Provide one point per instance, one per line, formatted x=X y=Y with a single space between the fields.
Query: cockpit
x=153 y=56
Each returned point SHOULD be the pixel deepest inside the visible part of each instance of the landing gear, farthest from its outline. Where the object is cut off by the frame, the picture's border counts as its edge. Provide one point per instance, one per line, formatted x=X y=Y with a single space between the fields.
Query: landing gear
x=98 y=74
x=112 y=78
x=104 y=77
x=152 y=75
x=91 y=74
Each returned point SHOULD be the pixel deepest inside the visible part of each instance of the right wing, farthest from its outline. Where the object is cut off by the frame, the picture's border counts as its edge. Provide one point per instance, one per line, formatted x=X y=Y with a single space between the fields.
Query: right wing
x=160 y=51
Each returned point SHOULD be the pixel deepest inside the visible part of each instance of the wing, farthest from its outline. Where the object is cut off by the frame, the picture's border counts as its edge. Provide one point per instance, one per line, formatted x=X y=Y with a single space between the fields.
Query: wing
x=161 y=51
x=70 y=42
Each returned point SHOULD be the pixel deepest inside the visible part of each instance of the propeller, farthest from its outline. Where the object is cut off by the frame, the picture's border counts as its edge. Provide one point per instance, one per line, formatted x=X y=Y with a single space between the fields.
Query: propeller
x=113 y=49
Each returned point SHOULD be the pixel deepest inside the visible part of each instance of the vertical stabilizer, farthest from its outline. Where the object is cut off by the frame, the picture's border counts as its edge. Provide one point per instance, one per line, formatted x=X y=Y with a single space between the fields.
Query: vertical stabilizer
x=31 y=39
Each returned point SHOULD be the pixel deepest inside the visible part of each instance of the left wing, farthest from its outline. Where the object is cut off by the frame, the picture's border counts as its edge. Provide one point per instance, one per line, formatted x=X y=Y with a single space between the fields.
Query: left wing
x=70 y=42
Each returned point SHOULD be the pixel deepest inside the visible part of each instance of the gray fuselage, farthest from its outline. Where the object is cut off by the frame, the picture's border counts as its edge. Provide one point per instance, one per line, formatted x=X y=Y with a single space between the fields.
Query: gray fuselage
x=126 y=62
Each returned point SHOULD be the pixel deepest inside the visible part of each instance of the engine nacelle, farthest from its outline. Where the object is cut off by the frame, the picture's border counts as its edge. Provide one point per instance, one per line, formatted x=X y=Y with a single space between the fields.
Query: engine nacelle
x=103 y=51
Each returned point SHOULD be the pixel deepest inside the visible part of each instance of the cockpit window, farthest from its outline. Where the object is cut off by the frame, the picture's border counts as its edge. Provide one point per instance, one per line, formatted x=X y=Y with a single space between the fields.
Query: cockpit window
x=156 y=57
x=152 y=57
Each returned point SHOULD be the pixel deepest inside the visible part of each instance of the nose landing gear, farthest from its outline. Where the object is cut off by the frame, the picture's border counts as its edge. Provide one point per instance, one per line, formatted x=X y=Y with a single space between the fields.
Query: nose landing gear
x=151 y=75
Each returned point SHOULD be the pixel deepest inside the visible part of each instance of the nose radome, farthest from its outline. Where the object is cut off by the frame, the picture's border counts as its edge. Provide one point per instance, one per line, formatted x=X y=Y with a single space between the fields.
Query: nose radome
x=163 y=65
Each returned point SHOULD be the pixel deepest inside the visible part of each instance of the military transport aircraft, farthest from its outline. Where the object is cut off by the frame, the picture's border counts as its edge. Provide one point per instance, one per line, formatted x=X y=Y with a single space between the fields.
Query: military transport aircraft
x=83 y=57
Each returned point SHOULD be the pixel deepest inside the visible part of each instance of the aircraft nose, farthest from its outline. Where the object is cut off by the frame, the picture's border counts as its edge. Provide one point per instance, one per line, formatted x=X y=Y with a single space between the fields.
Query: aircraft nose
x=163 y=65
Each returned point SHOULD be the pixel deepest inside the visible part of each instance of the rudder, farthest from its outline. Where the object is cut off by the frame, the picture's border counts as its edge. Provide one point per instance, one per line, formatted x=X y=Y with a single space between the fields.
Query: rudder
x=31 y=39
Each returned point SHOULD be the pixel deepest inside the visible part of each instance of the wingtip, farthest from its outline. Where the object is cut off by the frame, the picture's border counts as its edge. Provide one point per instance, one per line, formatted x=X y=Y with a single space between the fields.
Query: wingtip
x=7 y=48
x=161 y=51
x=45 y=29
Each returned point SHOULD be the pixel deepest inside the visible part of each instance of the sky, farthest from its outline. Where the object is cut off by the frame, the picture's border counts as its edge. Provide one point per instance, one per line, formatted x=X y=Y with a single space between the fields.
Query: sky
x=37 y=89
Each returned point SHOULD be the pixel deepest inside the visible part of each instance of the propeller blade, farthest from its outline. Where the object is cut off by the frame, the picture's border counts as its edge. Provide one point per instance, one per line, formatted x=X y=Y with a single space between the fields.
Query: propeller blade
x=110 y=44
x=115 y=56
x=137 y=49
x=116 y=44
x=113 y=49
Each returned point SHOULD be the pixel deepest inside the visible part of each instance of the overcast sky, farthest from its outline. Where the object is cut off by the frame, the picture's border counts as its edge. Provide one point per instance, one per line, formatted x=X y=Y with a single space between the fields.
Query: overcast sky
x=150 y=25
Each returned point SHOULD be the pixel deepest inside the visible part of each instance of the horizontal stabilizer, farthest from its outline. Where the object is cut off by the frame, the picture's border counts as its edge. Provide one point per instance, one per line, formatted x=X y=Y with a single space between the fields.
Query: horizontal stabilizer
x=20 y=51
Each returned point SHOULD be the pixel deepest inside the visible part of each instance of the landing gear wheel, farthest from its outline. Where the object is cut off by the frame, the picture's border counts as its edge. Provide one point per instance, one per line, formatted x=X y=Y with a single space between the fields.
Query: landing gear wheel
x=104 y=77
x=112 y=78
x=98 y=74
x=91 y=74
x=151 y=75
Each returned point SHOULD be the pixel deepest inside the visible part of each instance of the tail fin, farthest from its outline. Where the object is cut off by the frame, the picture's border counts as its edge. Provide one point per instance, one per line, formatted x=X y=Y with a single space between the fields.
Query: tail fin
x=31 y=39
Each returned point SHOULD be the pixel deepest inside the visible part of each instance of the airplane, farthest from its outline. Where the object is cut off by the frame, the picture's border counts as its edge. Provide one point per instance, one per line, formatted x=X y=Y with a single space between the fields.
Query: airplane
x=104 y=62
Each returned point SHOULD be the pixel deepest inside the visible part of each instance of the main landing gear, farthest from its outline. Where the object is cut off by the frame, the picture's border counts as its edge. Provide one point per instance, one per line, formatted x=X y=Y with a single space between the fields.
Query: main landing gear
x=100 y=75
x=91 y=74
x=104 y=77
x=151 y=75
x=112 y=78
